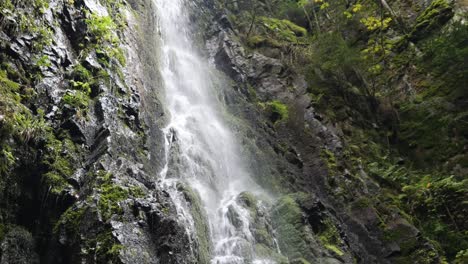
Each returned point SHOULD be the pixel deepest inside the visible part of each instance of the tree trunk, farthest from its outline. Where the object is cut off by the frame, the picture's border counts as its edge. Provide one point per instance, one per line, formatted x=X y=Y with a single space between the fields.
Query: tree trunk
x=309 y=20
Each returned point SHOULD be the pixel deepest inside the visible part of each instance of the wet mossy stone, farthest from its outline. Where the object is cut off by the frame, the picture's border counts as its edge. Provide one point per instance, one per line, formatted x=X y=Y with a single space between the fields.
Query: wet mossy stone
x=290 y=228
x=200 y=221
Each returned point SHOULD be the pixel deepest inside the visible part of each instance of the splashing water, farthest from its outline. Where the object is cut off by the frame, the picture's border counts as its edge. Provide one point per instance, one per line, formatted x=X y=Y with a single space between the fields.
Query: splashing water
x=200 y=149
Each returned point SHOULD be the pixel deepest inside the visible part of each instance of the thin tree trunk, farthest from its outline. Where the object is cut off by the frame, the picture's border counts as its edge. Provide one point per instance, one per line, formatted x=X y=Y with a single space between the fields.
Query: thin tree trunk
x=309 y=20
x=393 y=14
x=252 y=22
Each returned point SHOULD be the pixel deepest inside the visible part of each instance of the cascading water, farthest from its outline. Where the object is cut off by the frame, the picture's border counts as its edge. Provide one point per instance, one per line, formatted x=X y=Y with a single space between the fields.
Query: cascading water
x=201 y=152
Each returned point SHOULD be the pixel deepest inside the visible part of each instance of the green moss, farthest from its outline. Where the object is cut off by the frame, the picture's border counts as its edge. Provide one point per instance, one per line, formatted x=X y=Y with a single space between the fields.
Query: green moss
x=291 y=232
x=29 y=128
x=55 y=181
x=118 y=54
x=81 y=74
x=261 y=251
x=7 y=160
x=136 y=192
x=334 y=249
x=402 y=236
x=101 y=28
x=278 y=111
x=71 y=220
x=284 y=30
x=41 y=6
x=330 y=237
x=106 y=248
x=362 y=203
x=6 y=85
x=59 y=160
x=109 y=199
x=81 y=86
x=77 y=99
x=330 y=160
x=433 y=17
x=6 y=5
x=43 y=61
x=258 y=41
x=249 y=201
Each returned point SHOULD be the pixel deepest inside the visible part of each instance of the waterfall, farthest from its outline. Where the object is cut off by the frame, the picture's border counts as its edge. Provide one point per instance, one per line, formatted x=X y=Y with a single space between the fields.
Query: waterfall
x=201 y=151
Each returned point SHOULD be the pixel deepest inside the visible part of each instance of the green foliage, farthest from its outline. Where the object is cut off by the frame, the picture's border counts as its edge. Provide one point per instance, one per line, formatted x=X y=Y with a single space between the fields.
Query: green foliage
x=462 y=257
x=445 y=56
x=332 y=54
x=435 y=201
x=374 y=23
x=427 y=129
x=19 y=21
x=136 y=192
x=442 y=203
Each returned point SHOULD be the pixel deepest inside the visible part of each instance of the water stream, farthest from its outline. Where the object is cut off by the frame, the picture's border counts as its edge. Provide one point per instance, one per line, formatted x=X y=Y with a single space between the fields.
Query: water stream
x=201 y=151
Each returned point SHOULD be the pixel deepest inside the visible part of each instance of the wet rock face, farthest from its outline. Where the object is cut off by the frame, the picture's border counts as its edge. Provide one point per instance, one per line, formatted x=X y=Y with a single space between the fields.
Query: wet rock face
x=98 y=92
x=87 y=191
x=304 y=155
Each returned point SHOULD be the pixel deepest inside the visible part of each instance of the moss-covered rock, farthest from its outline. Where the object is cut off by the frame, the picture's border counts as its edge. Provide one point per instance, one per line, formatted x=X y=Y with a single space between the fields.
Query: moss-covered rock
x=290 y=228
x=200 y=221
x=330 y=238
x=432 y=18
x=276 y=111
x=283 y=29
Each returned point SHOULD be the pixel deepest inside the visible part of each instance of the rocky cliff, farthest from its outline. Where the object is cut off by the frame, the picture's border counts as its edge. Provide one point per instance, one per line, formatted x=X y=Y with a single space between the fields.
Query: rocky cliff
x=81 y=114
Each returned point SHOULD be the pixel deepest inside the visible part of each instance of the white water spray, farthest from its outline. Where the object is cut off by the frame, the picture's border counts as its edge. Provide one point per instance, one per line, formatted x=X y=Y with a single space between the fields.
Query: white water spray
x=200 y=150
